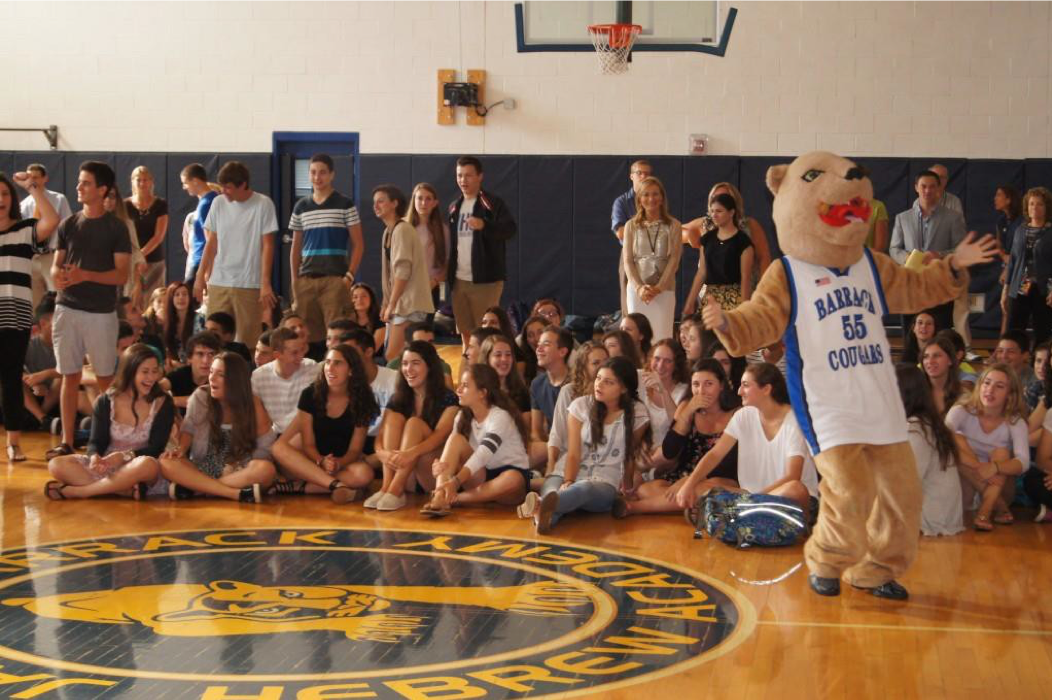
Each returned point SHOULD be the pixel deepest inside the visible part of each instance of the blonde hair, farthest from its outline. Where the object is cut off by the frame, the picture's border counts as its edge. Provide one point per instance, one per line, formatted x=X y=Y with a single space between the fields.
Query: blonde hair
x=640 y=214
x=141 y=170
x=1014 y=408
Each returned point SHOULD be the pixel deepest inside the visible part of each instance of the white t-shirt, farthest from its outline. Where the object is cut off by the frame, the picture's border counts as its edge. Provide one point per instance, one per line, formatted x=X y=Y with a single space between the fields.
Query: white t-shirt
x=465 y=236
x=383 y=387
x=496 y=441
x=606 y=462
x=281 y=396
x=239 y=226
x=58 y=201
x=761 y=462
x=659 y=419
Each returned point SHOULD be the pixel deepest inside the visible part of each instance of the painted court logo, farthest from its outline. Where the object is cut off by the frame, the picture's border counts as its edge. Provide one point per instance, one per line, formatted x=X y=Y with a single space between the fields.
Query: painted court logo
x=339 y=613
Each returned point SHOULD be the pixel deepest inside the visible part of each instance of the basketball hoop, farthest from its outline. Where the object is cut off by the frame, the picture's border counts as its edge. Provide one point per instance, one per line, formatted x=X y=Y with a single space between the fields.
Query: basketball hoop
x=613 y=43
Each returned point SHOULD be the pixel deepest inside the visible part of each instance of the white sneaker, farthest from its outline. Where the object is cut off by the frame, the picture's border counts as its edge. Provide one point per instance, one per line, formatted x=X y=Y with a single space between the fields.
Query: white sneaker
x=373 y=500
x=389 y=502
x=528 y=507
x=1044 y=515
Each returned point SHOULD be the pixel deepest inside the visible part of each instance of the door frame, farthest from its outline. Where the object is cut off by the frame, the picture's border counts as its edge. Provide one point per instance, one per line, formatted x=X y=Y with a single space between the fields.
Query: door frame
x=304 y=144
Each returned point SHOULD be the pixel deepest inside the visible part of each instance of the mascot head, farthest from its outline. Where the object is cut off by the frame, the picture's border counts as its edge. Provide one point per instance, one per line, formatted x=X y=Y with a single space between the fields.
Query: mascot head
x=822 y=204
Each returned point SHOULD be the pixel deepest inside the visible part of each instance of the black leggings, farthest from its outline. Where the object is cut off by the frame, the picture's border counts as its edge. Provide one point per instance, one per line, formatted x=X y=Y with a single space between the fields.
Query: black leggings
x=13 y=344
x=1031 y=307
x=1034 y=485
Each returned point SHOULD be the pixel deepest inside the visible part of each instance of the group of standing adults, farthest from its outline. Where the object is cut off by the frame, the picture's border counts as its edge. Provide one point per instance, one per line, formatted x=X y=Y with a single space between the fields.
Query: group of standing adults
x=733 y=249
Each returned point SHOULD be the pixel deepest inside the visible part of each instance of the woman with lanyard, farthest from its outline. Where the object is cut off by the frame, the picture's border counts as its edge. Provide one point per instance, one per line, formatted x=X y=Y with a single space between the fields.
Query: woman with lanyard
x=19 y=239
x=1027 y=293
x=651 y=255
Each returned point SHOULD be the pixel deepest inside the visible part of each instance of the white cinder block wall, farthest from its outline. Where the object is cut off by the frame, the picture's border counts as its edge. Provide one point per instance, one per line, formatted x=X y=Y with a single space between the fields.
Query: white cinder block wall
x=968 y=79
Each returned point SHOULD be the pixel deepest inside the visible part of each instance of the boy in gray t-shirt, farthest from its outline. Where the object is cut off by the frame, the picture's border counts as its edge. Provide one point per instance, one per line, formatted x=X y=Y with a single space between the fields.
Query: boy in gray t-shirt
x=91 y=265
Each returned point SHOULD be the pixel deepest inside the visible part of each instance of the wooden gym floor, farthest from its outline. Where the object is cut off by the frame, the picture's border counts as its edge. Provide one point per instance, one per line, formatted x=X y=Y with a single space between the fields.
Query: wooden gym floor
x=978 y=624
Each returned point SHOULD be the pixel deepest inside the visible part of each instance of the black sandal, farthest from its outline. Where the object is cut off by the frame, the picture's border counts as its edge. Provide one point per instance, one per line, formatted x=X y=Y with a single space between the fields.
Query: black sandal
x=60 y=450
x=340 y=493
x=289 y=488
x=139 y=491
x=53 y=491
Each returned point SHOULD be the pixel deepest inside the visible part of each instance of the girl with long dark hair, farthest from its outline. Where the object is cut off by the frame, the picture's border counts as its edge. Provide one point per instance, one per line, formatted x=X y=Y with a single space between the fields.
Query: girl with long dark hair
x=936 y=453
x=586 y=363
x=606 y=435
x=417 y=421
x=498 y=352
x=939 y=362
x=180 y=311
x=496 y=317
x=19 y=238
x=620 y=344
x=527 y=341
x=773 y=457
x=638 y=328
x=223 y=441
x=332 y=419
x=726 y=260
x=130 y=428
x=365 y=312
x=484 y=459
x=698 y=426
x=921 y=332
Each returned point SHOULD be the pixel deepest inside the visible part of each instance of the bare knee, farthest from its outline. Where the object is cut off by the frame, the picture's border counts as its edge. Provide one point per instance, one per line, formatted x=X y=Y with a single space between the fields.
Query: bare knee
x=262 y=471
x=144 y=468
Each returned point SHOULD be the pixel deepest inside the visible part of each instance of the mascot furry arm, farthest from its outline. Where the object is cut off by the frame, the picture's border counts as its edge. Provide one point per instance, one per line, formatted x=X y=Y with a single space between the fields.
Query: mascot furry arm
x=762 y=321
x=821 y=209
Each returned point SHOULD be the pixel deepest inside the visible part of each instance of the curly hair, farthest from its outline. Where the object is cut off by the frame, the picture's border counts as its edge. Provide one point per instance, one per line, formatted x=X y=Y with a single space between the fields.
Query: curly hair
x=1046 y=197
x=487 y=380
x=362 y=402
x=581 y=380
x=679 y=359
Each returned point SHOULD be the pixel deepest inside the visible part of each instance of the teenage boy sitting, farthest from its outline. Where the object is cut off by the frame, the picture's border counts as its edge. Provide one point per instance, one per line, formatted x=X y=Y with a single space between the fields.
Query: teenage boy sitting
x=225 y=328
x=201 y=349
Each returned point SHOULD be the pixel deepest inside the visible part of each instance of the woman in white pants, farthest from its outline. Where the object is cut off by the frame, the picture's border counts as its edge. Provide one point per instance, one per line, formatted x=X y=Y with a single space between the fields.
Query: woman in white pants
x=651 y=256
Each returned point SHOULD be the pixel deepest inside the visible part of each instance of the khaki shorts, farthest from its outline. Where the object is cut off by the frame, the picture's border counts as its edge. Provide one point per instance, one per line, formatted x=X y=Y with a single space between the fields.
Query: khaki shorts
x=78 y=333
x=320 y=300
x=470 y=301
x=243 y=304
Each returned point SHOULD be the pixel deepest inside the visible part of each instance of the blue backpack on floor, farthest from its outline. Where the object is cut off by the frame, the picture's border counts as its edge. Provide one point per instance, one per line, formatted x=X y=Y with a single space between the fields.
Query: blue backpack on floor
x=750 y=519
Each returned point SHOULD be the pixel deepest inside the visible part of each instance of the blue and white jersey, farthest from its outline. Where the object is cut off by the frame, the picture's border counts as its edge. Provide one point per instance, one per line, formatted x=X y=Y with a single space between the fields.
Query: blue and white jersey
x=841 y=377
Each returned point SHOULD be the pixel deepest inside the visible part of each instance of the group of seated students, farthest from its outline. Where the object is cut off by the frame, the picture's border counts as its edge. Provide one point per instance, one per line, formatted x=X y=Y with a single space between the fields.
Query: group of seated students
x=623 y=424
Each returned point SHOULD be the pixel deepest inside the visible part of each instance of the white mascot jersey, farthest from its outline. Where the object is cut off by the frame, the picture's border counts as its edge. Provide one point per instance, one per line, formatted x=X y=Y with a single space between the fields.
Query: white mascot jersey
x=841 y=378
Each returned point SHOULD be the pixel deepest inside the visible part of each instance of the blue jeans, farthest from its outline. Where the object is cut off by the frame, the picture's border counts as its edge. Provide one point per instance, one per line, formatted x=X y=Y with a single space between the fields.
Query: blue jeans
x=590 y=496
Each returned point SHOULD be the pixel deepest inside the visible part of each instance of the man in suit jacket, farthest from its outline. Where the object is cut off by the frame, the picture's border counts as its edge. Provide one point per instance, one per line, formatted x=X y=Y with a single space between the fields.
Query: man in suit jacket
x=929 y=227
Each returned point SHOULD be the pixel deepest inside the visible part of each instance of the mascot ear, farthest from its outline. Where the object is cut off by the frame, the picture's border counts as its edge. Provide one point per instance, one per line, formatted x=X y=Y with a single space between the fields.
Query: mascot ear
x=775 y=175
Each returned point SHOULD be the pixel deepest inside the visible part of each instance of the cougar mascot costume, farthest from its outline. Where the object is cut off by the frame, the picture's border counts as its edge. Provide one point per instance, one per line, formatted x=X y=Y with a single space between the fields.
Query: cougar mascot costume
x=825 y=298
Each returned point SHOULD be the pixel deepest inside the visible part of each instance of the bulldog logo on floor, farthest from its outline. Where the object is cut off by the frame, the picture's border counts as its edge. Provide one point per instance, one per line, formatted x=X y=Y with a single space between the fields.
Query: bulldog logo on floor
x=306 y=613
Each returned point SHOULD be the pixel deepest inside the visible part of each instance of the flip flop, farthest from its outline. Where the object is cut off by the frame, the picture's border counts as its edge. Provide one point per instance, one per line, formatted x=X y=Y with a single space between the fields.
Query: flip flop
x=432 y=510
x=1004 y=518
x=53 y=491
x=982 y=523
x=60 y=450
x=15 y=454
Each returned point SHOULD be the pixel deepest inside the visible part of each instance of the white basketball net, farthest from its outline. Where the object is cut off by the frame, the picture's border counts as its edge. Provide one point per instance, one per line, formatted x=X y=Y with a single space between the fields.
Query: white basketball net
x=613 y=43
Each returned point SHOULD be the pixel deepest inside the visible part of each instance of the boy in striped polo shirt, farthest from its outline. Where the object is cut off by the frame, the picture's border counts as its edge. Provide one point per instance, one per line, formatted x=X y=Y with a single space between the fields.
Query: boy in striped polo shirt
x=324 y=225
